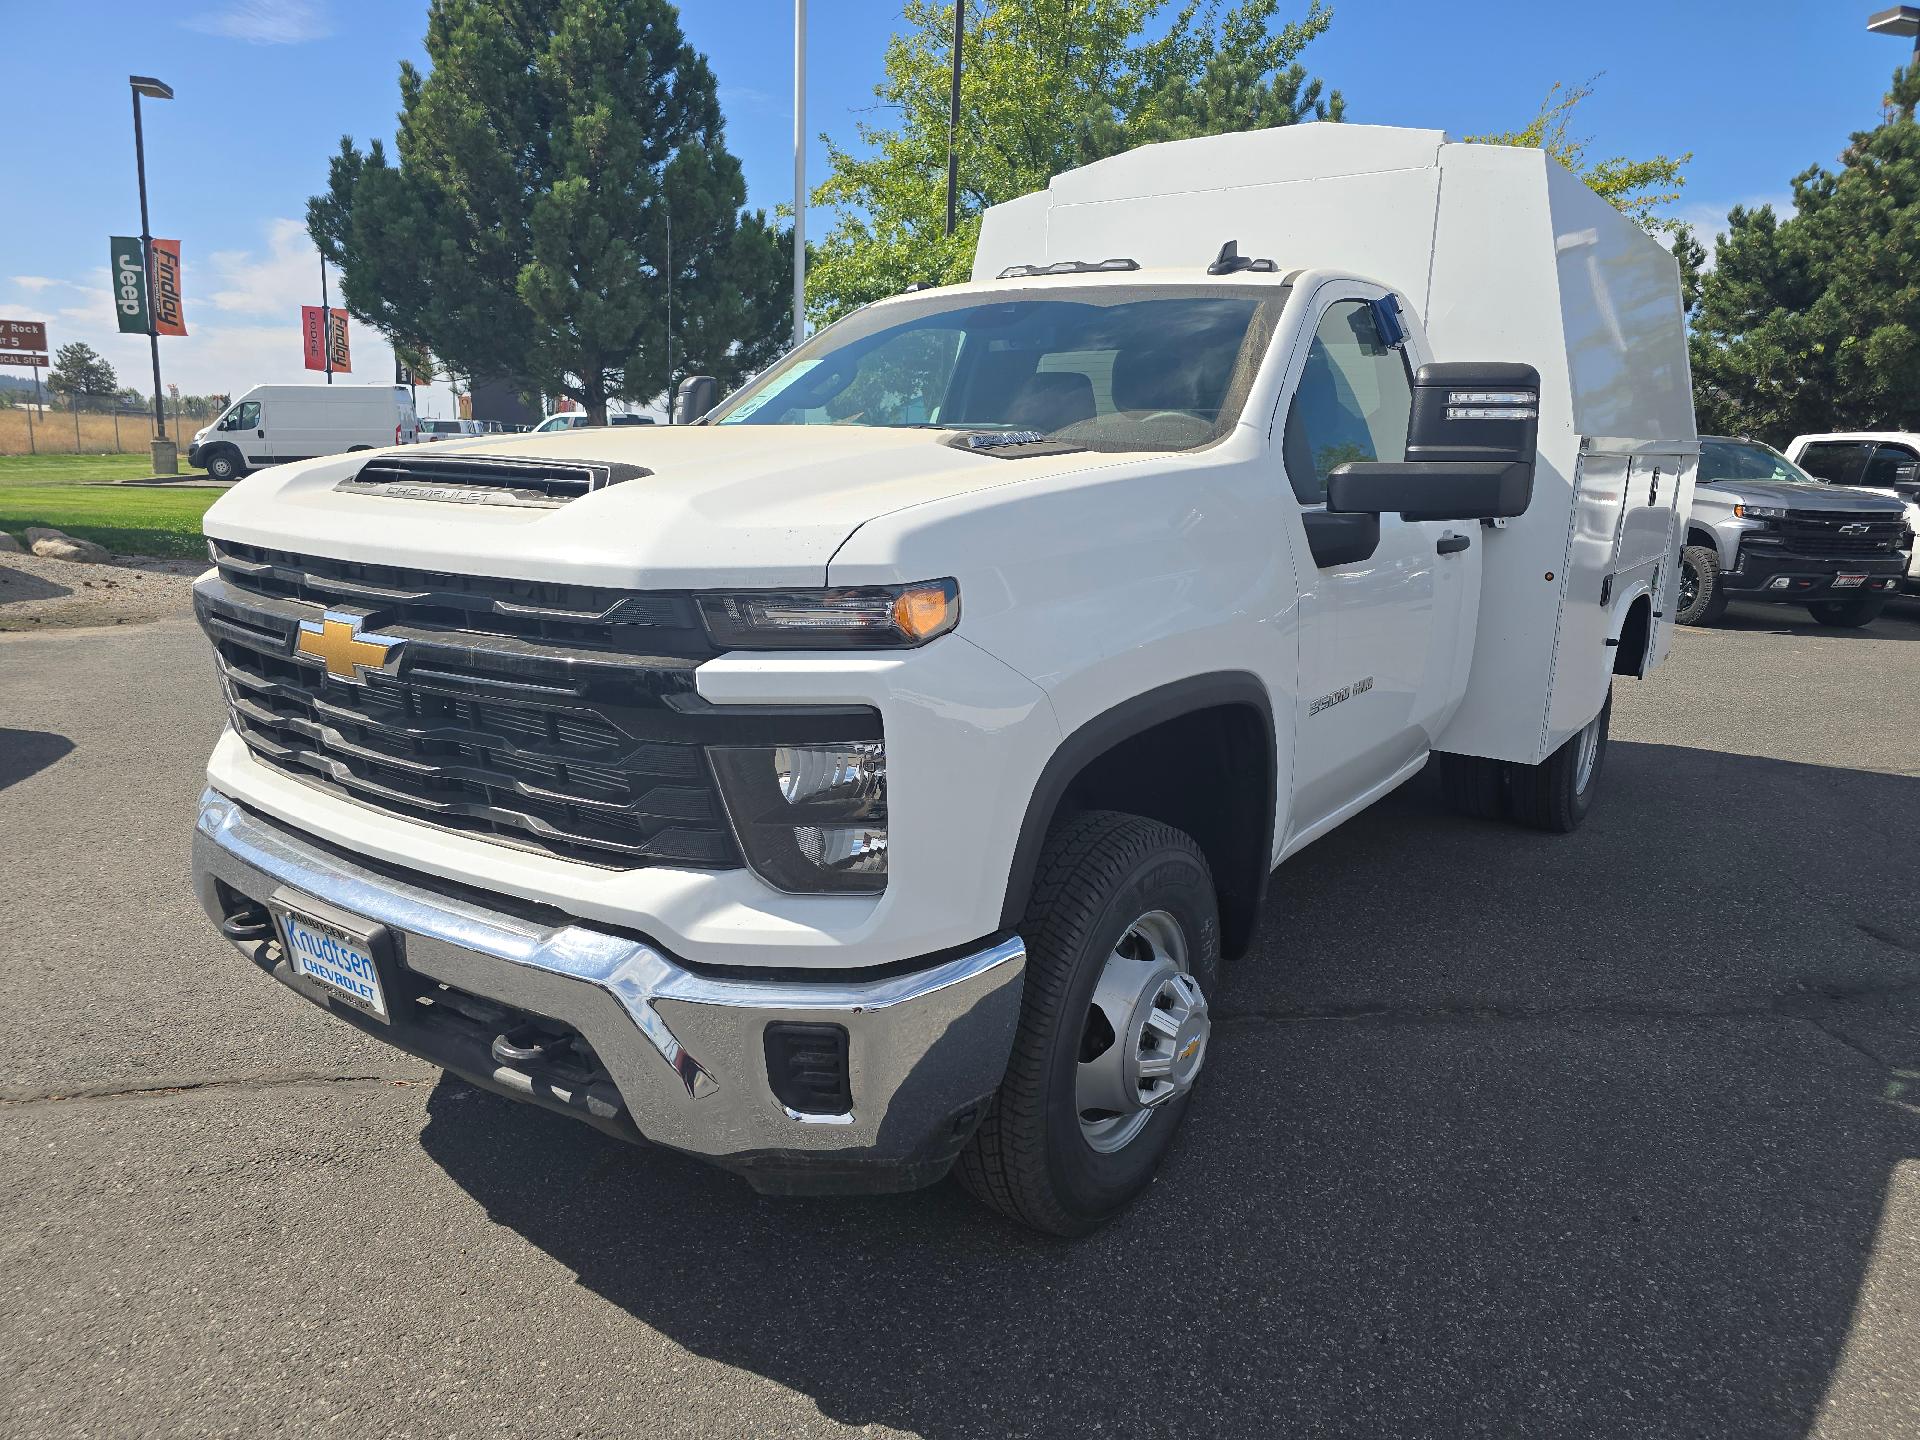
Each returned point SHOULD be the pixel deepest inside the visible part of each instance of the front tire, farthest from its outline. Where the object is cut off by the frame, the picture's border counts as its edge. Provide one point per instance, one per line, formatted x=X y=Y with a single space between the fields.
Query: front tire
x=1852 y=612
x=1123 y=945
x=1556 y=794
x=225 y=464
x=1702 y=599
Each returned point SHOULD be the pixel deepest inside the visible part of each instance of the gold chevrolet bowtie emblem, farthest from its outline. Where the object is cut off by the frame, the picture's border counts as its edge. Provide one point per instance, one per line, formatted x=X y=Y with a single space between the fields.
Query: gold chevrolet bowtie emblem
x=337 y=641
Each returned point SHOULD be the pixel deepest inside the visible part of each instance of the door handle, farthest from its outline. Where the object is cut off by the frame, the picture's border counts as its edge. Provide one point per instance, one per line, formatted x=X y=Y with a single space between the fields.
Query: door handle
x=1450 y=544
x=260 y=434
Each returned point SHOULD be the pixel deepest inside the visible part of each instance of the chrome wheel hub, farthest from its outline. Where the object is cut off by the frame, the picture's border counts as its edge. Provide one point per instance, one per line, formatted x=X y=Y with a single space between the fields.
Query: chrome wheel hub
x=1587 y=756
x=1146 y=1033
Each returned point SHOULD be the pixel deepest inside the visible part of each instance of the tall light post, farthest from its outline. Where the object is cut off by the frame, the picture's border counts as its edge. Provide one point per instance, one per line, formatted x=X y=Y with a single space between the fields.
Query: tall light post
x=153 y=90
x=1902 y=20
x=799 y=171
x=953 y=116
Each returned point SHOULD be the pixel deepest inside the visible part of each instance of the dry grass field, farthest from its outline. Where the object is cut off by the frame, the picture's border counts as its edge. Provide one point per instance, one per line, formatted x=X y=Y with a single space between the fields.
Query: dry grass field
x=54 y=434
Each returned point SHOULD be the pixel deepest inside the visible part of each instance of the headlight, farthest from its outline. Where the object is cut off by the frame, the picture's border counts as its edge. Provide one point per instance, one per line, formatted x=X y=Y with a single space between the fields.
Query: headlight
x=1759 y=512
x=811 y=819
x=867 y=617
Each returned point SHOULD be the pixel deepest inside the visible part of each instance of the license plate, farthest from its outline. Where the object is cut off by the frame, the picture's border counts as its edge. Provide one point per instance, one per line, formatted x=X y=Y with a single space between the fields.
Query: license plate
x=340 y=960
x=1848 y=582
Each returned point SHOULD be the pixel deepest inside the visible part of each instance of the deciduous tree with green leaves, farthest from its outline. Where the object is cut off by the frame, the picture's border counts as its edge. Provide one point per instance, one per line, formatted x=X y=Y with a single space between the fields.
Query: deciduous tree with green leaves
x=1813 y=322
x=1639 y=189
x=1046 y=86
x=542 y=160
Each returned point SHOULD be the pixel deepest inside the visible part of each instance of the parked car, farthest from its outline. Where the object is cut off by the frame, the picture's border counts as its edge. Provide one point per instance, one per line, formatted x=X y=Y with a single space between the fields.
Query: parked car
x=871 y=779
x=435 y=430
x=577 y=419
x=1761 y=528
x=273 y=424
x=1886 y=462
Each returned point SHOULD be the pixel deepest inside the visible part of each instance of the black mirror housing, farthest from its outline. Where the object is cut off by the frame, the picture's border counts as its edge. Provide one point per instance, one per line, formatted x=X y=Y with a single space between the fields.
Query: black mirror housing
x=1471 y=449
x=696 y=396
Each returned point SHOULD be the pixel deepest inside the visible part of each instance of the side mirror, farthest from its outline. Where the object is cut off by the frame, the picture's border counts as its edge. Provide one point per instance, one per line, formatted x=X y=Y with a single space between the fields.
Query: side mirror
x=696 y=396
x=1471 y=449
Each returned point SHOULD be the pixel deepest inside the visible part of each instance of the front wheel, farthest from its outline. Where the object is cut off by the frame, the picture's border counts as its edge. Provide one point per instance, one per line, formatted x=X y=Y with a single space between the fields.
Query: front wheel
x=1123 y=946
x=1852 y=612
x=1556 y=794
x=224 y=464
x=1703 y=599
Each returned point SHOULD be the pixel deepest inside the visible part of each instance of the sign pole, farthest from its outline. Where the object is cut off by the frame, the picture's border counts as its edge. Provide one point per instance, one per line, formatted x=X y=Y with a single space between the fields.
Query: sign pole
x=32 y=448
x=146 y=260
x=326 y=320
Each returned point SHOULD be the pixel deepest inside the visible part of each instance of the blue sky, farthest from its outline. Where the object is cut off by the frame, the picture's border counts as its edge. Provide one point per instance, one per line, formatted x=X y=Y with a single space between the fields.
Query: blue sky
x=1757 y=90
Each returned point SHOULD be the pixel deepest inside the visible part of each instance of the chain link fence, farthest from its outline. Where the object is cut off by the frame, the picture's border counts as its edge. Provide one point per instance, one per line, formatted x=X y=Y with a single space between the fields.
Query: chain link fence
x=91 y=425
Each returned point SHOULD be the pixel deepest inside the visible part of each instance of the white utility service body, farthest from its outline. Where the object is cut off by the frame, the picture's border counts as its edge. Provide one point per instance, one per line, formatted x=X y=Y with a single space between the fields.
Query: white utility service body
x=1116 y=636
x=277 y=424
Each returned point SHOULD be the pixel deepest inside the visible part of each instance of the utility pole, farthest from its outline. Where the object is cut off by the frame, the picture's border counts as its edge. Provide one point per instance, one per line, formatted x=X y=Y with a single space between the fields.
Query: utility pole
x=669 y=316
x=953 y=116
x=799 y=171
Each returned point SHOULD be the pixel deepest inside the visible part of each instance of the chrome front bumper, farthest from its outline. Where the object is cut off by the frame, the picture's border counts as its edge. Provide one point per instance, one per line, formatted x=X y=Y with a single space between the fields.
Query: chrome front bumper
x=684 y=1051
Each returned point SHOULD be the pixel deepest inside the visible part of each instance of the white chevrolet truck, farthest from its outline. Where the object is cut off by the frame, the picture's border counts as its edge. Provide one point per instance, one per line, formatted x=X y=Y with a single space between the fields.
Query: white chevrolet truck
x=870 y=780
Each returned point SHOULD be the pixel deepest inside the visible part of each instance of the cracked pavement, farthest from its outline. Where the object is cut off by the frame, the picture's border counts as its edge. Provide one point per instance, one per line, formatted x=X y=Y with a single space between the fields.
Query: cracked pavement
x=1612 y=1135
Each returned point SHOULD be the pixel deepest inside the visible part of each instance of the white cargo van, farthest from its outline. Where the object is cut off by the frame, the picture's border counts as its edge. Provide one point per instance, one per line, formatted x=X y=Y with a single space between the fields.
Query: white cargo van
x=870 y=779
x=272 y=424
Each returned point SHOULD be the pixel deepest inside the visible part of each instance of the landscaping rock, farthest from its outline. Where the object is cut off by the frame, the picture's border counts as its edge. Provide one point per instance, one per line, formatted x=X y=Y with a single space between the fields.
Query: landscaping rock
x=58 y=545
x=9 y=545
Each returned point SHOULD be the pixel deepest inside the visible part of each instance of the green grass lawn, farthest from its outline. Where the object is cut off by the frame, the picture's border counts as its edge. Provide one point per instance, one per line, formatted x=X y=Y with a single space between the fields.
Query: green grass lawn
x=128 y=520
x=73 y=469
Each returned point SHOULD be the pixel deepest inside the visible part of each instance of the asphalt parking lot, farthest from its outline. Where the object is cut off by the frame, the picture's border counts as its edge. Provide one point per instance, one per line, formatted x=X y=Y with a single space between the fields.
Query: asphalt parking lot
x=1616 y=1134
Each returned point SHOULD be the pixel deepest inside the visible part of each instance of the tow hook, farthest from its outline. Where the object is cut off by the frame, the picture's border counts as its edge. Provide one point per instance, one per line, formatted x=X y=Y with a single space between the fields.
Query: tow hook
x=525 y=1044
x=248 y=925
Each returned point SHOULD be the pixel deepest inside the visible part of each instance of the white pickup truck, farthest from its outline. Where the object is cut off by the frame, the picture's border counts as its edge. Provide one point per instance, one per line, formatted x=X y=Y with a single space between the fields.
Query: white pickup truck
x=871 y=778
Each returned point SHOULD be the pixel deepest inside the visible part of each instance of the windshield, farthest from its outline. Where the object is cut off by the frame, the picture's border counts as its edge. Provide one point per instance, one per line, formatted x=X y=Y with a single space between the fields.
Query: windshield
x=1121 y=367
x=1746 y=460
x=441 y=427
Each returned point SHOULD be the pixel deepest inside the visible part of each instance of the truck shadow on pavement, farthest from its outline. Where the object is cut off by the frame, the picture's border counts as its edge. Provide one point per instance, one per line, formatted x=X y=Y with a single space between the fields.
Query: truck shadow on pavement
x=1899 y=621
x=1501 y=1134
x=24 y=753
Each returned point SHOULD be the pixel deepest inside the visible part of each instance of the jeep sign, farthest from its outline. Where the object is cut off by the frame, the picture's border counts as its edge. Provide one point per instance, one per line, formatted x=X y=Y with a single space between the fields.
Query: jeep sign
x=129 y=285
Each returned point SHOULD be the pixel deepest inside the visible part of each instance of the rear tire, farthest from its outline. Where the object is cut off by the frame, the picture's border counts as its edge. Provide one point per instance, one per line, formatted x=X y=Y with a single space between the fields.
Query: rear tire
x=1851 y=613
x=1472 y=786
x=1702 y=599
x=225 y=464
x=1115 y=895
x=1556 y=794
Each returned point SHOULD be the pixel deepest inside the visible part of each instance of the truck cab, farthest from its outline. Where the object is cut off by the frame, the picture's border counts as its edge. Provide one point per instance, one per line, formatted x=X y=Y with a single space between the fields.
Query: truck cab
x=868 y=781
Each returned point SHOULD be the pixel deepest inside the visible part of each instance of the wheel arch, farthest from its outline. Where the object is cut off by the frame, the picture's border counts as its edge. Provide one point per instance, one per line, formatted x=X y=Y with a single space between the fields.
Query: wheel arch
x=1118 y=761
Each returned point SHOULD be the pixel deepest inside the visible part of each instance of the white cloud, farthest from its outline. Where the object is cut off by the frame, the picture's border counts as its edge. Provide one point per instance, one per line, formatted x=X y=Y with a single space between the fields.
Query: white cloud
x=265 y=22
x=34 y=284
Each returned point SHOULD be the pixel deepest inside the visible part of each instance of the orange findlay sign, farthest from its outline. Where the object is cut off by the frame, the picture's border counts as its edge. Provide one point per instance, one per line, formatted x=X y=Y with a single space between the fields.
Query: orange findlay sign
x=168 y=317
x=315 y=347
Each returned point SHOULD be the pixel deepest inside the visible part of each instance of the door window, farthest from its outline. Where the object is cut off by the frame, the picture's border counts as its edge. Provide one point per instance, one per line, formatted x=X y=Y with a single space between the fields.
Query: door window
x=244 y=416
x=1355 y=401
x=1834 y=461
x=1890 y=466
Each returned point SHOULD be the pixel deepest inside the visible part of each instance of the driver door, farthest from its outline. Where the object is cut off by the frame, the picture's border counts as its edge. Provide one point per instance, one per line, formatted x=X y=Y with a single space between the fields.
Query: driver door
x=1384 y=640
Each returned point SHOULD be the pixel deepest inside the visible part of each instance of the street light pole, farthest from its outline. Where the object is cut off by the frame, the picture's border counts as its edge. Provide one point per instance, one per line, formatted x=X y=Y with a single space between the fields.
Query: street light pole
x=799 y=171
x=159 y=90
x=326 y=321
x=953 y=116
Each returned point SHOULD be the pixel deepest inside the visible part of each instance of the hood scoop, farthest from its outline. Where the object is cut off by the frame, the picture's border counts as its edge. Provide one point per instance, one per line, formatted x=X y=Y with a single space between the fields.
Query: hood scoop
x=486 y=479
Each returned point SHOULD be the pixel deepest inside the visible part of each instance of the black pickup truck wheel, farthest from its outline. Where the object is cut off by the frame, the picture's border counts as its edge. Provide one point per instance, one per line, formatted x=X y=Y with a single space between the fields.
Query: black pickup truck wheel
x=1702 y=598
x=1123 y=945
x=1851 y=613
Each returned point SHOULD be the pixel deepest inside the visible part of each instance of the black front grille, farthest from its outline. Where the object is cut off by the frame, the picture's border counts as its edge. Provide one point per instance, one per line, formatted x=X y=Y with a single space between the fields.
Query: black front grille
x=1818 y=533
x=553 y=717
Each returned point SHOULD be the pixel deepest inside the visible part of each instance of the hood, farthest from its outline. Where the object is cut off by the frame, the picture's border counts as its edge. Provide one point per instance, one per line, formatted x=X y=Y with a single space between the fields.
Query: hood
x=725 y=505
x=1806 y=495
